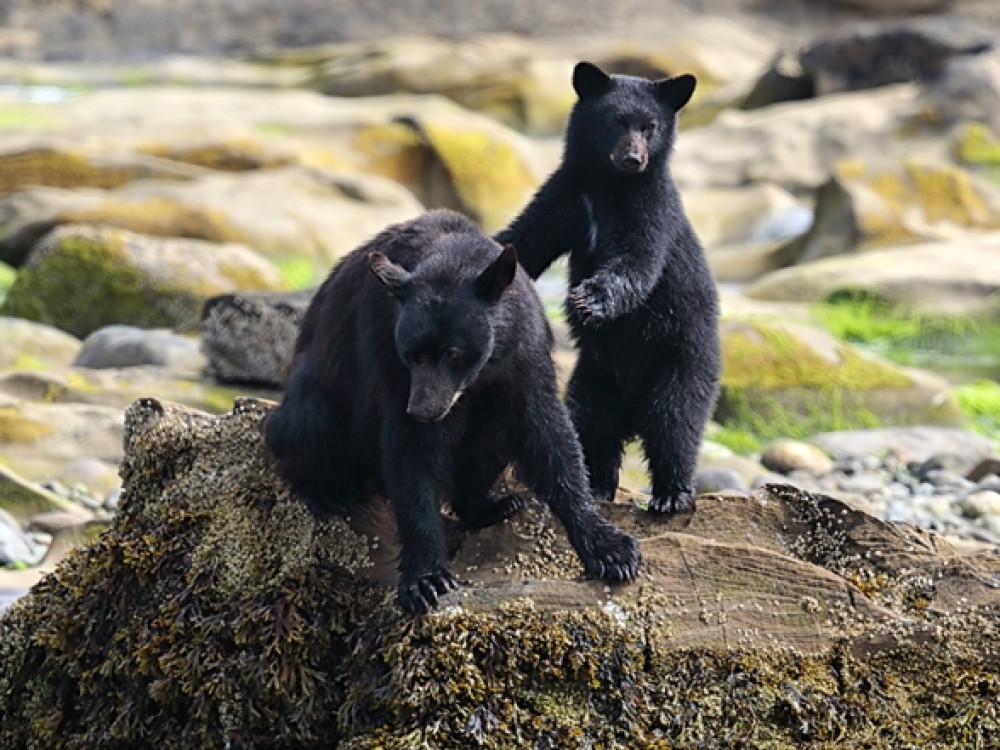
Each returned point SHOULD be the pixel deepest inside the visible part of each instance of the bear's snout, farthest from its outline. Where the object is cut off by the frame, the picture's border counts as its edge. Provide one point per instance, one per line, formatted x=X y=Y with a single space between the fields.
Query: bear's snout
x=631 y=153
x=430 y=399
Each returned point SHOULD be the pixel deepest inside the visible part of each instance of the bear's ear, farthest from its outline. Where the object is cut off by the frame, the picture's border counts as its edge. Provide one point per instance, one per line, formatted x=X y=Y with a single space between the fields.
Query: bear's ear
x=589 y=80
x=676 y=91
x=396 y=278
x=499 y=275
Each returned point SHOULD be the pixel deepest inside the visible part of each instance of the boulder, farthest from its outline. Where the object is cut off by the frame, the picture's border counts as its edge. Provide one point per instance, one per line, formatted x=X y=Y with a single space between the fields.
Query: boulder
x=282 y=212
x=783 y=379
x=34 y=346
x=56 y=165
x=216 y=610
x=959 y=276
x=751 y=213
x=797 y=145
x=38 y=439
x=967 y=90
x=128 y=346
x=250 y=338
x=870 y=55
x=21 y=500
x=81 y=278
x=863 y=208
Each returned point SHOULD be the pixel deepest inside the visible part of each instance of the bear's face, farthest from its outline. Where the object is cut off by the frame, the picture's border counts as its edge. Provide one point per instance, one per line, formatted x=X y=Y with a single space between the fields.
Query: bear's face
x=444 y=330
x=625 y=122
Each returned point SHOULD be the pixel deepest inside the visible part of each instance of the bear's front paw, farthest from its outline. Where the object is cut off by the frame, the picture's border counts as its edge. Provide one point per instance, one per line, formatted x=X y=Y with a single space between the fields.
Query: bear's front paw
x=681 y=501
x=611 y=555
x=592 y=301
x=419 y=595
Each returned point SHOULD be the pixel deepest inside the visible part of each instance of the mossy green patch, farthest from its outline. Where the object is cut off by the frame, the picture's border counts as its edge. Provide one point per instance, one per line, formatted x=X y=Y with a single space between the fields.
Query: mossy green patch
x=977 y=146
x=980 y=401
x=774 y=385
x=967 y=342
x=7 y=276
x=491 y=178
x=27 y=117
x=107 y=290
x=298 y=271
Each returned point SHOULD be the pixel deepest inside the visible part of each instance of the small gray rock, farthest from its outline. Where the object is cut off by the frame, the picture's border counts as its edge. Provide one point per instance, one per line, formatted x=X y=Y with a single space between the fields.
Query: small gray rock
x=15 y=547
x=127 y=346
x=979 y=504
x=717 y=480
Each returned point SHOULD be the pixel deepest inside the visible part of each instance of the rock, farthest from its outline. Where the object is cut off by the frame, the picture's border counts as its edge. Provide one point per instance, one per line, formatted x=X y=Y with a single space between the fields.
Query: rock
x=281 y=212
x=15 y=547
x=743 y=262
x=784 y=80
x=909 y=444
x=711 y=479
x=873 y=55
x=983 y=467
x=785 y=456
x=127 y=346
x=865 y=209
x=959 y=276
x=798 y=144
x=100 y=477
x=82 y=278
x=784 y=583
x=21 y=499
x=57 y=166
x=33 y=346
x=38 y=439
x=981 y=503
x=723 y=216
x=792 y=380
x=454 y=160
x=896 y=7
x=967 y=90
x=250 y=338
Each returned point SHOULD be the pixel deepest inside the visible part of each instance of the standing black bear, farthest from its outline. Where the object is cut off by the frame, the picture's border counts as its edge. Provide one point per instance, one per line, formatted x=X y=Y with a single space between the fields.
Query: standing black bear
x=422 y=369
x=642 y=304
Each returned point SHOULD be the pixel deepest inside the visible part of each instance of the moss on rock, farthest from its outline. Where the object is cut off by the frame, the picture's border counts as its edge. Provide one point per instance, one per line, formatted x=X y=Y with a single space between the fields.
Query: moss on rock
x=82 y=278
x=453 y=162
x=785 y=380
x=216 y=612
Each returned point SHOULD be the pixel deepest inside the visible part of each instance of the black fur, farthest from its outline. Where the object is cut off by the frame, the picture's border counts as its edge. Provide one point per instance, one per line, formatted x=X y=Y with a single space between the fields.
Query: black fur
x=642 y=305
x=423 y=369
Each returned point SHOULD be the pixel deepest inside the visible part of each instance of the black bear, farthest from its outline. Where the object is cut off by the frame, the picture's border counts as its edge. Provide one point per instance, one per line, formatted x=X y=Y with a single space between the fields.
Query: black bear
x=422 y=369
x=642 y=304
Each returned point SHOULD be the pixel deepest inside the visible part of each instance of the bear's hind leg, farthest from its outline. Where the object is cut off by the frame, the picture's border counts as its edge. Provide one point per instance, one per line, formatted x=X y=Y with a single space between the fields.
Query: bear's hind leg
x=597 y=410
x=671 y=428
x=302 y=435
x=477 y=471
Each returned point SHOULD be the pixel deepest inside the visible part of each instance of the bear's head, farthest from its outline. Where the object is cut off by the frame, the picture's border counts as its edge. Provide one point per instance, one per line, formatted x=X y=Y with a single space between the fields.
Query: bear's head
x=625 y=122
x=445 y=328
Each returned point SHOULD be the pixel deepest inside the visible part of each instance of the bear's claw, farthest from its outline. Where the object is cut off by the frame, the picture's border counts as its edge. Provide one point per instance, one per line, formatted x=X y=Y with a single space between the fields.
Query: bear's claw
x=676 y=502
x=419 y=595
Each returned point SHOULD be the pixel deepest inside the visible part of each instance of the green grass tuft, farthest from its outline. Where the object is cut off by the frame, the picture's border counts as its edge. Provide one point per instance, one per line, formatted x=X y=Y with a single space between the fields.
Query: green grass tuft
x=980 y=400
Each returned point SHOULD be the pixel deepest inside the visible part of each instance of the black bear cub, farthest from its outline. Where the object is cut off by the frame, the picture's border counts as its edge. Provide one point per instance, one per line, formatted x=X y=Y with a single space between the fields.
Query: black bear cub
x=642 y=304
x=421 y=370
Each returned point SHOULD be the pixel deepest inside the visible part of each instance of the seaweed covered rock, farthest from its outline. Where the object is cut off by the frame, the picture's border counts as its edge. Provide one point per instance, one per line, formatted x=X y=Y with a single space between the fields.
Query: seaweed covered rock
x=216 y=612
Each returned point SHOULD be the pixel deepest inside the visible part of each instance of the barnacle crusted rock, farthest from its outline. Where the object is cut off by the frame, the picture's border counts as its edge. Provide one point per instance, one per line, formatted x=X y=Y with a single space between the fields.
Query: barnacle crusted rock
x=217 y=612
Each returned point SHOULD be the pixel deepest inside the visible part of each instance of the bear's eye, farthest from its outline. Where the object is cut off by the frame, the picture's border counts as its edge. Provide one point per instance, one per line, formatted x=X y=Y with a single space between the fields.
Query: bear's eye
x=621 y=121
x=452 y=354
x=649 y=128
